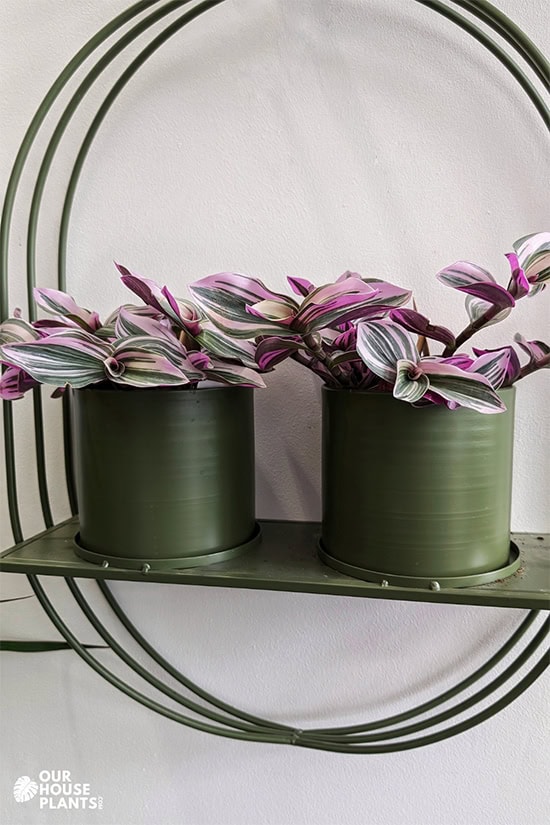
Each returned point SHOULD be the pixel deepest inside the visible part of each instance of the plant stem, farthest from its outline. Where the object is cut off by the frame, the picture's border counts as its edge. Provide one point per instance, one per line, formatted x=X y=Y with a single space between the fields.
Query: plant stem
x=320 y=355
x=315 y=365
x=533 y=366
x=470 y=330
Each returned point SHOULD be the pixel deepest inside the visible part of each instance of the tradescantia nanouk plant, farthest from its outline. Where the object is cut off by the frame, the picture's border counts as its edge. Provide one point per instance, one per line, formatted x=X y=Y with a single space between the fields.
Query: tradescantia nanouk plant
x=165 y=342
x=357 y=333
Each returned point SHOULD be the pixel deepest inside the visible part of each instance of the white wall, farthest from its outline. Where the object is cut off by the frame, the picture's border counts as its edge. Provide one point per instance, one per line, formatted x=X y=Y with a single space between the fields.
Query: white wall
x=276 y=137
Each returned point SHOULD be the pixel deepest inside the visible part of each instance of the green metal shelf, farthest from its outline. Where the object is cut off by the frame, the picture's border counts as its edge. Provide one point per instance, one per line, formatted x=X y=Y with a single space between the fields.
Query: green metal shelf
x=287 y=560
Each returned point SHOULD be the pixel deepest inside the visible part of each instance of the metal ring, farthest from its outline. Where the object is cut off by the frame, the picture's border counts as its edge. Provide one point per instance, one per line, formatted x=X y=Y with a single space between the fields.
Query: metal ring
x=338 y=739
x=301 y=738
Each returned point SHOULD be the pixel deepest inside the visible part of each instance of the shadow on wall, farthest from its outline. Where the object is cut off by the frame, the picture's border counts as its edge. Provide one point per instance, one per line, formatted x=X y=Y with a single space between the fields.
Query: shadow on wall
x=288 y=442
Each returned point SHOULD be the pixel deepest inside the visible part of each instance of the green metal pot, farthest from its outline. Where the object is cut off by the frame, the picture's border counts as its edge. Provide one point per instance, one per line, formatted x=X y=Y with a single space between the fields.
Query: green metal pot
x=165 y=477
x=416 y=496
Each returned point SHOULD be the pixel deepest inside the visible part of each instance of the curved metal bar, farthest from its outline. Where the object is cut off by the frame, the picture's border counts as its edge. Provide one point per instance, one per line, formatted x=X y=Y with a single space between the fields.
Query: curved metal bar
x=132 y=663
x=206 y=5
x=509 y=31
x=174 y=28
x=492 y=47
x=5 y=225
x=171 y=670
x=439 y=736
x=350 y=729
x=32 y=229
x=11 y=473
x=346 y=733
x=71 y=639
x=452 y=692
x=483 y=10
x=298 y=737
x=480 y=695
x=321 y=738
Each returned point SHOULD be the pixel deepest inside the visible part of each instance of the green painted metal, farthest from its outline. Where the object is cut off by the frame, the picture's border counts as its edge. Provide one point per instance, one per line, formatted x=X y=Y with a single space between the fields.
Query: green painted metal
x=336 y=739
x=416 y=495
x=433 y=582
x=483 y=10
x=55 y=545
x=286 y=561
x=440 y=699
x=165 y=477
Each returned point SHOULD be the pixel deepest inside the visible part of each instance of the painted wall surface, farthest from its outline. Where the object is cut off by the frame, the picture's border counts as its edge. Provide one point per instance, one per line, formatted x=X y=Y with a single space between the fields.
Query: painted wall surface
x=273 y=138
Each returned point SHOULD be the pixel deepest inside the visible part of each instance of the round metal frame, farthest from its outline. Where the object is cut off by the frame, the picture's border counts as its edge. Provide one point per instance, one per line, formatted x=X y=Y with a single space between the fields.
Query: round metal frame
x=211 y=714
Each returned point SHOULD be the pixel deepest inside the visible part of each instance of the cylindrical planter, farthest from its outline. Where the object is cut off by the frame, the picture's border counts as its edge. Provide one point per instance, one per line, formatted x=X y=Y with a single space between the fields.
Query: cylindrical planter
x=165 y=477
x=416 y=496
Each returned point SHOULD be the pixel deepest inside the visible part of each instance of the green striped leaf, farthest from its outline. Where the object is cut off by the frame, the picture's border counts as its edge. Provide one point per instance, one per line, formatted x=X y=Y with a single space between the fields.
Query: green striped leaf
x=16 y=330
x=222 y=346
x=59 y=303
x=71 y=357
x=410 y=382
x=462 y=388
x=381 y=344
x=533 y=253
x=234 y=375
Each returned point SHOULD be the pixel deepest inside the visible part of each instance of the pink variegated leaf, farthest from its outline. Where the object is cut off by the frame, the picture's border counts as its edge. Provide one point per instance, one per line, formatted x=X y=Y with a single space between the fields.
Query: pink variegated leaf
x=473 y=280
x=59 y=303
x=464 y=273
x=219 y=345
x=335 y=304
x=538 y=351
x=459 y=359
x=137 y=368
x=477 y=309
x=513 y=365
x=411 y=383
x=183 y=312
x=277 y=311
x=129 y=323
x=60 y=359
x=200 y=360
x=272 y=351
x=462 y=388
x=227 y=299
x=494 y=366
x=346 y=340
x=338 y=358
x=349 y=274
x=15 y=330
x=518 y=286
x=14 y=383
x=234 y=375
x=149 y=291
x=533 y=253
x=300 y=286
x=415 y=322
x=337 y=313
x=387 y=294
x=171 y=350
x=493 y=294
x=381 y=344
x=180 y=312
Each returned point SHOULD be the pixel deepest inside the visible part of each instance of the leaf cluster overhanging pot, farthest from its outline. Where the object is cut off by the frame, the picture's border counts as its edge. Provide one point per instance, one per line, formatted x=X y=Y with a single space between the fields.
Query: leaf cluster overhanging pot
x=164 y=466
x=413 y=493
x=417 y=493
